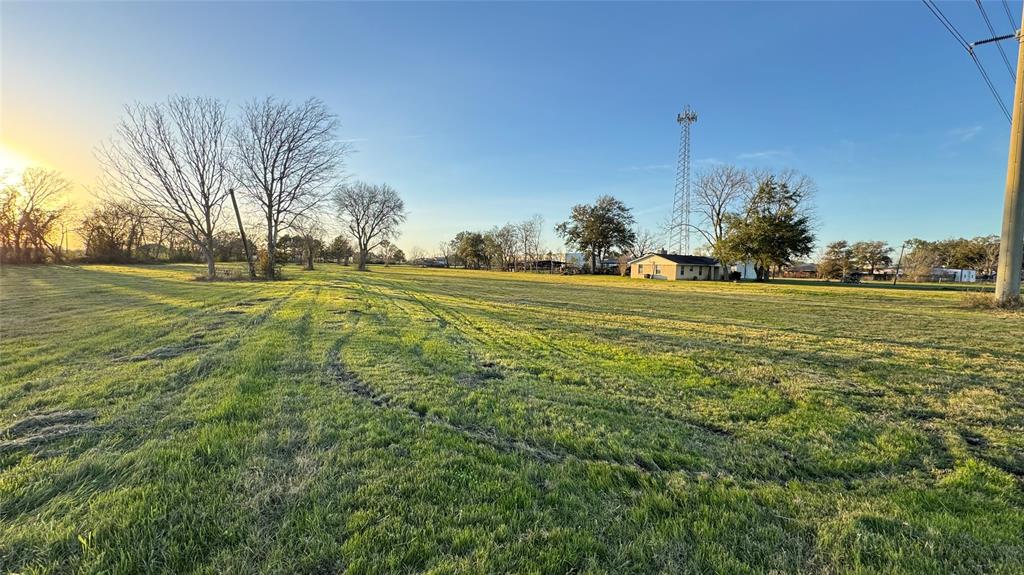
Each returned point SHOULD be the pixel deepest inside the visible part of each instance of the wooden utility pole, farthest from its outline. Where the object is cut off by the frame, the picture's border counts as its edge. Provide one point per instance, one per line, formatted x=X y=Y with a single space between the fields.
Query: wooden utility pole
x=898 y=263
x=241 y=232
x=1011 y=244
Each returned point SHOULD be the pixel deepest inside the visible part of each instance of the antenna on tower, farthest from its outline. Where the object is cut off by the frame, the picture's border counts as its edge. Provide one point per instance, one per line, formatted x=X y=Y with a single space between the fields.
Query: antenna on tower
x=679 y=235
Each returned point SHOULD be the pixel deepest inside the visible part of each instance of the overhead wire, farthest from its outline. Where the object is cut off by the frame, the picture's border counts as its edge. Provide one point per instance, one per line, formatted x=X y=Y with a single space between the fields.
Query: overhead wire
x=984 y=14
x=960 y=39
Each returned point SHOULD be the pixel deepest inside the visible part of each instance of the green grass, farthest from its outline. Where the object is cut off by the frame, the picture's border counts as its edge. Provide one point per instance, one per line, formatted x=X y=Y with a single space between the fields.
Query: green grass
x=440 y=421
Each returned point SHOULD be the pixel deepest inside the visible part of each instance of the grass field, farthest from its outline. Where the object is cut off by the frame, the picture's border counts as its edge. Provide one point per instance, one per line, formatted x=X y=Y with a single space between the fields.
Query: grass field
x=406 y=421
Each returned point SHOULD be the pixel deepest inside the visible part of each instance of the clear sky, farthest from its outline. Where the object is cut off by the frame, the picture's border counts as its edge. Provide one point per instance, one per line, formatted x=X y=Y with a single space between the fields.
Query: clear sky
x=481 y=113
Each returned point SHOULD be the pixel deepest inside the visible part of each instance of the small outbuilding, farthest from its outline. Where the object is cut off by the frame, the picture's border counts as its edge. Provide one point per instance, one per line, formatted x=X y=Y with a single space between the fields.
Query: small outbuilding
x=675 y=267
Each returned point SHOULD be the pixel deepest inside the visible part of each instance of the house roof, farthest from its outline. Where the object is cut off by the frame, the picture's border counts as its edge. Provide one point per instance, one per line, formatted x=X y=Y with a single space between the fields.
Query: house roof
x=681 y=259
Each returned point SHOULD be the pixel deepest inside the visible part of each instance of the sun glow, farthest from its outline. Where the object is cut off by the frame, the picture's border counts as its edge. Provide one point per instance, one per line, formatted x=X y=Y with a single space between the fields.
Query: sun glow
x=12 y=162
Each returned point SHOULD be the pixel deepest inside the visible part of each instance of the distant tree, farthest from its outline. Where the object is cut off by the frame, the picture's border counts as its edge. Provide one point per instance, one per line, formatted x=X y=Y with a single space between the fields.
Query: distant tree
x=114 y=231
x=773 y=229
x=920 y=263
x=417 y=254
x=502 y=248
x=471 y=249
x=388 y=251
x=872 y=255
x=228 y=247
x=309 y=235
x=288 y=160
x=644 y=242
x=528 y=235
x=172 y=158
x=719 y=192
x=444 y=250
x=288 y=249
x=371 y=214
x=837 y=261
x=339 y=250
x=596 y=229
x=31 y=210
x=988 y=254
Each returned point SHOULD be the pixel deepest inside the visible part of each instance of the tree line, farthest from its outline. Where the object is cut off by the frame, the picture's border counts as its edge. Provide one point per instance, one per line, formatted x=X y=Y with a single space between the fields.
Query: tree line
x=920 y=257
x=505 y=247
x=177 y=176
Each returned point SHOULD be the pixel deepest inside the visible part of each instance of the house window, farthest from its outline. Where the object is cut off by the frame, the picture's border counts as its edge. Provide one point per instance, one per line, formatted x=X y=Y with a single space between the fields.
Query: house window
x=657 y=269
x=691 y=268
x=639 y=268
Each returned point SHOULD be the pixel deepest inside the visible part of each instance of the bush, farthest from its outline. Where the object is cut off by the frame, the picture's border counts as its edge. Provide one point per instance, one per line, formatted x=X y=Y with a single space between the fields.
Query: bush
x=263 y=263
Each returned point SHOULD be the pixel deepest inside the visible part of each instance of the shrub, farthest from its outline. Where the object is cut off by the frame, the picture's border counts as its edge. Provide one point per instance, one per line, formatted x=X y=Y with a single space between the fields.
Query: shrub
x=263 y=262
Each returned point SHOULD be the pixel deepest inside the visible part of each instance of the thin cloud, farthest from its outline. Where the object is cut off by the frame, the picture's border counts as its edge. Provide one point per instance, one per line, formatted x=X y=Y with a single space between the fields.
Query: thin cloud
x=763 y=154
x=708 y=161
x=965 y=134
x=647 y=168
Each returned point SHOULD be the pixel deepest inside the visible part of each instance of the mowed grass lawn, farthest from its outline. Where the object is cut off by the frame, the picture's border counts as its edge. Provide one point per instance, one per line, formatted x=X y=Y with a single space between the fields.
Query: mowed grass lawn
x=440 y=421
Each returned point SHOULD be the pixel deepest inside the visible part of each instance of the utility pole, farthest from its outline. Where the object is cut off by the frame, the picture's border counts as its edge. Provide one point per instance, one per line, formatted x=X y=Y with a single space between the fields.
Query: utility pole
x=1011 y=244
x=898 y=263
x=241 y=232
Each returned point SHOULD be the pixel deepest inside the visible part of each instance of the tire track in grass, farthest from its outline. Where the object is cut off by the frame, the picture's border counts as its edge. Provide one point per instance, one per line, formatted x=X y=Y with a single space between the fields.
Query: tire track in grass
x=171 y=393
x=276 y=477
x=498 y=334
x=138 y=426
x=338 y=374
x=795 y=468
x=502 y=342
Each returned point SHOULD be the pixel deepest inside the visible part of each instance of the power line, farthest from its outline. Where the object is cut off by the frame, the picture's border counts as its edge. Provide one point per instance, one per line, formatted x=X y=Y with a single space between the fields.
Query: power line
x=930 y=4
x=992 y=31
x=949 y=25
x=991 y=87
x=1009 y=15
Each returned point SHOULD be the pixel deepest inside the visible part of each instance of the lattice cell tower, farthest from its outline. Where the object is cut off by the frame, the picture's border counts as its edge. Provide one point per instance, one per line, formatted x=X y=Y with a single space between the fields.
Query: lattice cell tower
x=679 y=236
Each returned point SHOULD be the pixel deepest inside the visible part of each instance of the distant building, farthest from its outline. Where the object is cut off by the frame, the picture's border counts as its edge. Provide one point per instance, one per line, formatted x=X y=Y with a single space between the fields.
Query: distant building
x=954 y=275
x=801 y=271
x=675 y=267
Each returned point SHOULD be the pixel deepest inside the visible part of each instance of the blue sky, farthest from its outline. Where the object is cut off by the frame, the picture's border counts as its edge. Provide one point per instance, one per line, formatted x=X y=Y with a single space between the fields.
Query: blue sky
x=481 y=113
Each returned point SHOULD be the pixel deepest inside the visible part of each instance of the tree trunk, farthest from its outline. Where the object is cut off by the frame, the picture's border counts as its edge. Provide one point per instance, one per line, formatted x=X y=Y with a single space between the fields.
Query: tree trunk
x=211 y=269
x=309 y=257
x=362 y=259
x=593 y=262
x=271 y=248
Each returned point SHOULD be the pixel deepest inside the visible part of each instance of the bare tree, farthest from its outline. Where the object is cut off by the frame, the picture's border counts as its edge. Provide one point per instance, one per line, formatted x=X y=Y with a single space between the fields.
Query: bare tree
x=288 y=160
x=528 y=234
x=116 y=229
x=371 y=214
x=645 y=242
x=30 y=210
x=417 y=254
x=718 y=192
x=444 y=250
x=310 y=233
x=505 y=241
x=171 y=158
